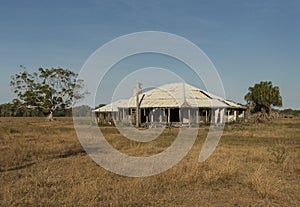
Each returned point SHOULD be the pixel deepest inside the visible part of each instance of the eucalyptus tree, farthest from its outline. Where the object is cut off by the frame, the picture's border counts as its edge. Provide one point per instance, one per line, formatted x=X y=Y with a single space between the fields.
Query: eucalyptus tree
x=47 y=89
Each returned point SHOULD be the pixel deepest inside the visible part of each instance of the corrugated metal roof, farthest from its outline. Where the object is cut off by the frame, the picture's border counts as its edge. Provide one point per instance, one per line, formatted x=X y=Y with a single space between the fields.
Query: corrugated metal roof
x=234 y=105
x=174 y=95
x=112 y=106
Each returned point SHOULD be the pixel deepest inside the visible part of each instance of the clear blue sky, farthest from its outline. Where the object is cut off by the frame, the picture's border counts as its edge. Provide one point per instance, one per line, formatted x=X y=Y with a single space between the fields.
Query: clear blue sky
x=248 y=41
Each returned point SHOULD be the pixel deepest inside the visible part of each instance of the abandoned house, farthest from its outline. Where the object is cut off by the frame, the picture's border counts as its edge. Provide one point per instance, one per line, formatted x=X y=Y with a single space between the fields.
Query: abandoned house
x=176 y=103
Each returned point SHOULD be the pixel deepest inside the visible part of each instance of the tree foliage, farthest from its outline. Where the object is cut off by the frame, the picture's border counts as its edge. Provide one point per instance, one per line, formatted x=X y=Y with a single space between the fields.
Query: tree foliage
x=47 y=89
x=262 y=96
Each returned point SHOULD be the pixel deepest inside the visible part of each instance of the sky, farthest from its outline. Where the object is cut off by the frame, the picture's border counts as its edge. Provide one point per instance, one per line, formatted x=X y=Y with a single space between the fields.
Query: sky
x=247 y=41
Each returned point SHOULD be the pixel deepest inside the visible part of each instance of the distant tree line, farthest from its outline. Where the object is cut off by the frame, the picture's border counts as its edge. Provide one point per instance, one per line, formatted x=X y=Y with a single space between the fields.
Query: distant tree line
x=13 y=110
x=289 y=112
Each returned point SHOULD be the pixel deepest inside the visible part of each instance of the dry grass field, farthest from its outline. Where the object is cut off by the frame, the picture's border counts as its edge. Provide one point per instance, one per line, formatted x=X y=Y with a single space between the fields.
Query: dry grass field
x=43 y=164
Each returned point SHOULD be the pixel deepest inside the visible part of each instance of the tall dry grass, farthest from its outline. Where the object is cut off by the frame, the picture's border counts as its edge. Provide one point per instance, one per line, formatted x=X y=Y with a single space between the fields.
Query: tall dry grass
x=43 y=164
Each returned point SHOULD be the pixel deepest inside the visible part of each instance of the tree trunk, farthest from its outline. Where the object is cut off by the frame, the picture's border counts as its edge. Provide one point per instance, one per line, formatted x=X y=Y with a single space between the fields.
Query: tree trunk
x=269 y=110
x=50 y=116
